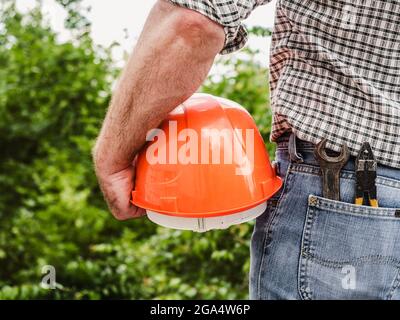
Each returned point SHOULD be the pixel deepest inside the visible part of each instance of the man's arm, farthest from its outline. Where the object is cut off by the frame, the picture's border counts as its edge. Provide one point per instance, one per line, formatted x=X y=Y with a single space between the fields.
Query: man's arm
x=170 y=61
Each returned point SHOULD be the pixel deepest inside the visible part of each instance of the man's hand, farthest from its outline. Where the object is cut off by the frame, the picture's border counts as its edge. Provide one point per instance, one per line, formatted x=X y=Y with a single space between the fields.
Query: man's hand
x=170 y=61
x=117 y=188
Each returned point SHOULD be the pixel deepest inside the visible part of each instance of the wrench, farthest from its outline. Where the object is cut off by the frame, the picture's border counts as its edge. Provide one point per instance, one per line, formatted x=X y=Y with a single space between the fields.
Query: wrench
x=330 y=169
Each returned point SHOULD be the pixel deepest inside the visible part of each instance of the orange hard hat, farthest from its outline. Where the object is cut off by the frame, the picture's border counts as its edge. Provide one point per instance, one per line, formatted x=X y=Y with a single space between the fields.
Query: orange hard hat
x=206 y=167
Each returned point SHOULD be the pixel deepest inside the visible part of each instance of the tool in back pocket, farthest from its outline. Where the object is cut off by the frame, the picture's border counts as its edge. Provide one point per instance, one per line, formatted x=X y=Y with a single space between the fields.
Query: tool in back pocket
x=366 y=176
x=330 y=169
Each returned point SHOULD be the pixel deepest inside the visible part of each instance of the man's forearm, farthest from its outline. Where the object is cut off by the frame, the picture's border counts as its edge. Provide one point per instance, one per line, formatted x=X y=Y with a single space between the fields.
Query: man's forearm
x=170 y=61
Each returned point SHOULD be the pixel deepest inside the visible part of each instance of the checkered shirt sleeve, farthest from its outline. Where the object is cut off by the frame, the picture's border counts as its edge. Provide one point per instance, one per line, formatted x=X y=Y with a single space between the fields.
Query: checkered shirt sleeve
x=229 y=14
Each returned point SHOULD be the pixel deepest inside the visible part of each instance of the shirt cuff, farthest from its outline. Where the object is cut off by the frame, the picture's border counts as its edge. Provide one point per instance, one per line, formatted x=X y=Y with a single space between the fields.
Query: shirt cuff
x=235 y=39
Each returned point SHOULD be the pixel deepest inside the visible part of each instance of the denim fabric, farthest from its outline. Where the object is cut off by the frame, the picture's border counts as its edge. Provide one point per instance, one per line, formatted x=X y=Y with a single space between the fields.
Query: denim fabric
x=307 y=247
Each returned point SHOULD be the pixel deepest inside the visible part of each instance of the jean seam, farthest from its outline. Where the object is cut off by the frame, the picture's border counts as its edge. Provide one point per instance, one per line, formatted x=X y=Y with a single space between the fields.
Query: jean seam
x=262 y=256
x=355 y=210
x=395 y=285
x=268 y=228
x=373 y=259
x=304 y=252
x=345 y=174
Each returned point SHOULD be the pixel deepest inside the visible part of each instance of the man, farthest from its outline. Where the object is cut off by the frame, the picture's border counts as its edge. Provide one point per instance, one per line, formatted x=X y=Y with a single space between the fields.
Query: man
x=335 y=74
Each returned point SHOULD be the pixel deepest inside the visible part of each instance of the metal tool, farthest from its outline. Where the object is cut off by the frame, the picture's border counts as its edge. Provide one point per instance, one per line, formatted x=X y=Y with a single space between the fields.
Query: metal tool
x=330 y=169
x=366 y=176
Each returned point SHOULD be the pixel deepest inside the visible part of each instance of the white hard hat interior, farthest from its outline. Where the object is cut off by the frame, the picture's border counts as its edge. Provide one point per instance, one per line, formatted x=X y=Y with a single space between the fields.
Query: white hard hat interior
x=206 y=224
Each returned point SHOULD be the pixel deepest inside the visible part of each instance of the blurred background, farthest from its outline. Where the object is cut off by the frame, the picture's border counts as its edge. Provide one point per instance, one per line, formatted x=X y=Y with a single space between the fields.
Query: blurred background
x=59 y=60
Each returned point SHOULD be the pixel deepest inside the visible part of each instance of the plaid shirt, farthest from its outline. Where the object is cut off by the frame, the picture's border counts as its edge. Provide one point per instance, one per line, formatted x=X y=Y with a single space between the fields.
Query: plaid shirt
x=335 y=68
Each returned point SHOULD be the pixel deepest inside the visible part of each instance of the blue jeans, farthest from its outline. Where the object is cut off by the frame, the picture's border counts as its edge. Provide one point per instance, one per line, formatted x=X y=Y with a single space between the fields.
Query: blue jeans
x=308 y=247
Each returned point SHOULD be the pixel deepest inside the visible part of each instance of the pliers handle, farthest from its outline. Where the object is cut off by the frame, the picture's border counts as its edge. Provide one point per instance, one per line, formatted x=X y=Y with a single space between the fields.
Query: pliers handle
x=372 y=202
x=366 y=176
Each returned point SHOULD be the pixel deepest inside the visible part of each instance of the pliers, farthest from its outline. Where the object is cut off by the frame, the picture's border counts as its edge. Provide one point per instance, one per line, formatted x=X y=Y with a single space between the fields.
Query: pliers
x=366 y=176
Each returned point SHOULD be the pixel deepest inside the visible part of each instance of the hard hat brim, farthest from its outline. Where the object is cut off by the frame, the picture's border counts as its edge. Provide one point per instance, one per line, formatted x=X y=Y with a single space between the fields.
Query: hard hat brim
x=274 y=186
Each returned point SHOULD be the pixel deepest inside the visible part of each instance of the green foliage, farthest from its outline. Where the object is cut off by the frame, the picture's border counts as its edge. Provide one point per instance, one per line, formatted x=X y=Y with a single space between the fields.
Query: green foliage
x=53 y=97
x=76 y=20
x=260 y=31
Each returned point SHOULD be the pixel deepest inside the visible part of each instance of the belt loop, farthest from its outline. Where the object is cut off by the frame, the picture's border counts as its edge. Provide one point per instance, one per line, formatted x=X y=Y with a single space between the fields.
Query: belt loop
x=293 y=155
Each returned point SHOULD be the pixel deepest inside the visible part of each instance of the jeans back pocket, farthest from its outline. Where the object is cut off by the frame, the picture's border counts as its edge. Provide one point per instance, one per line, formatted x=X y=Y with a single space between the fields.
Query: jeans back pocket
x=349 y=252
